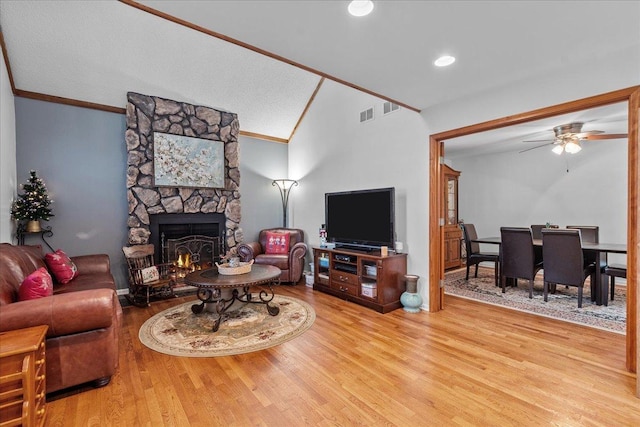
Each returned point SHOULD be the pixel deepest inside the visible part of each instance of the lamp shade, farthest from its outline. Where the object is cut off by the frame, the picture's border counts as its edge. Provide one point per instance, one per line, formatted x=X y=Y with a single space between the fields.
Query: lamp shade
x=572 y=147
x=284 y=185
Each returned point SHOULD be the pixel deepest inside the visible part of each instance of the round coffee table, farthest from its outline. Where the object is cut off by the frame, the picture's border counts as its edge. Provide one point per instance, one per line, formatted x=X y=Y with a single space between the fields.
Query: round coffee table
x=210 y=285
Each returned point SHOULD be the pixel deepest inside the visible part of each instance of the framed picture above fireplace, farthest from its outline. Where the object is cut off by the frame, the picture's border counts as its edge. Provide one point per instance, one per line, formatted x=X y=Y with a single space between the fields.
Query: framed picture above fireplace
x=183 y=161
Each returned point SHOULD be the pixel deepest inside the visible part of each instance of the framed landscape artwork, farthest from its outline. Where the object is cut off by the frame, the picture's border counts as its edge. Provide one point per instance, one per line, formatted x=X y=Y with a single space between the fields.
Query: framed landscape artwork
x=183 y=161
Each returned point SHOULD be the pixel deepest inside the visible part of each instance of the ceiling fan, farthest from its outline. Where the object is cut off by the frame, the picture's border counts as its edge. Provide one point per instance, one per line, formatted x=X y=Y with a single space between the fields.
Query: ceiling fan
x=568 y=138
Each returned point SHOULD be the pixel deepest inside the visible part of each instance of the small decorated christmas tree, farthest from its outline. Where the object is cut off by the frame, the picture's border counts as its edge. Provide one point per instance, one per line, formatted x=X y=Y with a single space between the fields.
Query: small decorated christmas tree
x=33 y=204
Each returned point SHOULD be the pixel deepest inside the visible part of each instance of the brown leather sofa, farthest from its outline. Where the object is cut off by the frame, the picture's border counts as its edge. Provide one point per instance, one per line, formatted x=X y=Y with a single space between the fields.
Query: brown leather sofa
x=291 y=264
x=83 y=316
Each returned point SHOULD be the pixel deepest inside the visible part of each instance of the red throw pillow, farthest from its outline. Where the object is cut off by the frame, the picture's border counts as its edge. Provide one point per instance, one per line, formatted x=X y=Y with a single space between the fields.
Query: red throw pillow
x=61 y=266
x=36 y=285
x=277 y=243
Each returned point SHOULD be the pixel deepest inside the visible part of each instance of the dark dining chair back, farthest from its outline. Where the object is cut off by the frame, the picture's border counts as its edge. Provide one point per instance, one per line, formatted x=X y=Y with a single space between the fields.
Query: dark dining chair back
x=563 y=261
x=588 y=233
x=536 y=230
x=469 y=234
x=517 y=256
x=474 y=256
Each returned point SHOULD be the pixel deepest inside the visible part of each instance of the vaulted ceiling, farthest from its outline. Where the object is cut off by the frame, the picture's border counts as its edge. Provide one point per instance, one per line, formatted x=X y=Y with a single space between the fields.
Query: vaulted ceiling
x=265 y=59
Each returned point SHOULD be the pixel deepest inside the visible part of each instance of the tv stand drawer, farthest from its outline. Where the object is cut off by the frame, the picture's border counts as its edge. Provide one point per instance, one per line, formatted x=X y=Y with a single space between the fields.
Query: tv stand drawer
x=345 y=287
x=344 y=278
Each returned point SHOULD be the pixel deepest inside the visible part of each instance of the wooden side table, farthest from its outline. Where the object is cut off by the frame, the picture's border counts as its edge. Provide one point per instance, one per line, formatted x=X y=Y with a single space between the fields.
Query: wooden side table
x=22 y=377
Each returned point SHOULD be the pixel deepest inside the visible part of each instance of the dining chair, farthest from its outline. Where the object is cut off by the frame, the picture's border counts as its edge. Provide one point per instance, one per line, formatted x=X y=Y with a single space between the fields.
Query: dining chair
x=518 y=259
x=536 y=230
x=612 y=271
x=474 y=256
x=590 y=234
x=564 y=262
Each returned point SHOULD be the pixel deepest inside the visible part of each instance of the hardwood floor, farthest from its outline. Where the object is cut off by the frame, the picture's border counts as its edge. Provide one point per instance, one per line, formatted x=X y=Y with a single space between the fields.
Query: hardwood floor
x=470 y=364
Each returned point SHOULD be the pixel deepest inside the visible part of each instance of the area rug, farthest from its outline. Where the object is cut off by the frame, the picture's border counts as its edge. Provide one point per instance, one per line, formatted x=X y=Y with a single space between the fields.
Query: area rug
x=561 y=305
x=179 y=332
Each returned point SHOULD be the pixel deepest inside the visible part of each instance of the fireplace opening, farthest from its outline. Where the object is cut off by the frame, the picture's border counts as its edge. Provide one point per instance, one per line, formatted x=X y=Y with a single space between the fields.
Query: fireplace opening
x=188 y=240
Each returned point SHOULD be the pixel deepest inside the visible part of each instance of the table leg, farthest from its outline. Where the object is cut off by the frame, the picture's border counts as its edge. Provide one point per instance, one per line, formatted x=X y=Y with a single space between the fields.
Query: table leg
x=206 y=296
x=264 y=298
x=214 y=296
x=600 y=285
x=222 y=305
x=605 y=289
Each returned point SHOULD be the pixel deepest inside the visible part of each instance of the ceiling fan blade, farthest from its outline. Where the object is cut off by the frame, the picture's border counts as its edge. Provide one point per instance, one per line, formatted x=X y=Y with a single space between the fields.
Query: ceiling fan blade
x=550 y=141
x=583 y=135
x=606 y=136
x=537 y=146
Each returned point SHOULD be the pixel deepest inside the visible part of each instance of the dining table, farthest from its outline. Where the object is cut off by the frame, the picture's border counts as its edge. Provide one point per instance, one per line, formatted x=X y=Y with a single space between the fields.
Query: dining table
x=601 y=285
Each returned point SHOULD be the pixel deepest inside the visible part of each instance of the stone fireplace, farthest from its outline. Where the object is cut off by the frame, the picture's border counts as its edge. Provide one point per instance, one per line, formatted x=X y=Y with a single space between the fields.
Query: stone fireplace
x=214 y=212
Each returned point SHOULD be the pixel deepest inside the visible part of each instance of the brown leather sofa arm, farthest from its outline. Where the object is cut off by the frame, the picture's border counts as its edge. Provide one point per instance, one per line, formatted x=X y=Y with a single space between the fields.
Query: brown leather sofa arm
x=248 y=251
x=296 y=259
x=90 y=264
x=299 y=250
x=65 y=314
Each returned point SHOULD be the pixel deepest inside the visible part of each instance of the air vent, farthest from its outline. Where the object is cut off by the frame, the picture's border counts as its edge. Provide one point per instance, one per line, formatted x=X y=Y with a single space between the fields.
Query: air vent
x=389 y=107
x=366 y=115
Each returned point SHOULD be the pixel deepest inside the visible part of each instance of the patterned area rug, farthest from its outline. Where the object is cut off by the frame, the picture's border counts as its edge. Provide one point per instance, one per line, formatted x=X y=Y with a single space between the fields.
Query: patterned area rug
x=179 y=332
x=561 y=305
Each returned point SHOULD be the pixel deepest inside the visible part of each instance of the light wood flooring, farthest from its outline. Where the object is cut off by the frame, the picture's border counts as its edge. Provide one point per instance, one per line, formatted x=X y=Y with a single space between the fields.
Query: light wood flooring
x=471 y=364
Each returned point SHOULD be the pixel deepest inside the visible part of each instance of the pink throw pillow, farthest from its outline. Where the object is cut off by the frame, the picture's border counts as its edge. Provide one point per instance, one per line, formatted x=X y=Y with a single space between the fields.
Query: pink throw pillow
x=277 y=243
x=61 y=266
x=36 y=285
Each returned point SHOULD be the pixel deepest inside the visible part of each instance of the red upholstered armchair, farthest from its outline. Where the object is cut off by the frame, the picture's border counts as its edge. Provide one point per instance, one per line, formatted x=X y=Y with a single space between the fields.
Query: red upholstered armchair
x=291 y=263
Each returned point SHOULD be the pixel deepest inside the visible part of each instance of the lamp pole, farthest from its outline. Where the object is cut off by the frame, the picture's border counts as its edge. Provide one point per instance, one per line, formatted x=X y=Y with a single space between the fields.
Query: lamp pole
x=284 y=185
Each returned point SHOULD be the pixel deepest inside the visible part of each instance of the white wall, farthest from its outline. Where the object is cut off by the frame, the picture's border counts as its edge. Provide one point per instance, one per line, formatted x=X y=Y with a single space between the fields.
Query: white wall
x=7 y=154
x=333 y=151
x=260 y=163
x=536 y=187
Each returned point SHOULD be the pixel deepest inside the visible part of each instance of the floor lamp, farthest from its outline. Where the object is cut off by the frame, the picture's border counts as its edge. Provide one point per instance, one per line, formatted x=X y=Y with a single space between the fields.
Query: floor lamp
x=284 y=185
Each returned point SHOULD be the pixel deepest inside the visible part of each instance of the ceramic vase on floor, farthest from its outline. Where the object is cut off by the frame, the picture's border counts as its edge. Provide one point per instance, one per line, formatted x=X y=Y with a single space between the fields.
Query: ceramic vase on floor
x=411 y=299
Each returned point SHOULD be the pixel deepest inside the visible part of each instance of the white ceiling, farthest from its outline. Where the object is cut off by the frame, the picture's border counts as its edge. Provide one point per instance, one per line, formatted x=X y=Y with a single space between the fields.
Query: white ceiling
x=97 y=51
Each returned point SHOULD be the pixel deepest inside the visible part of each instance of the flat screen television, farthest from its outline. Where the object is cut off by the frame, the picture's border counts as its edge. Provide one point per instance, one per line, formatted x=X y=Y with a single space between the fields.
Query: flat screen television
x=362 y=219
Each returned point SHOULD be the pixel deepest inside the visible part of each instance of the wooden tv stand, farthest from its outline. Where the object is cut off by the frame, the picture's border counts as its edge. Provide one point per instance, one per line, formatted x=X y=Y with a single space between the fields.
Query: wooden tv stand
x=365 y=278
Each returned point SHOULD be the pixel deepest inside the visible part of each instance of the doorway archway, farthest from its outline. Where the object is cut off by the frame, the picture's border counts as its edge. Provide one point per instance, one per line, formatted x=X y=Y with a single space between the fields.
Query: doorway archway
x=436 y=235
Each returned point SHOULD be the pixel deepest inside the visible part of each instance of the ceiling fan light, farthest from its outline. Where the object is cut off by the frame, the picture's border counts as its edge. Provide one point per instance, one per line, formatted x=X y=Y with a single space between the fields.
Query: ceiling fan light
x=572 y=147
x=360 y=7
x=558 y=149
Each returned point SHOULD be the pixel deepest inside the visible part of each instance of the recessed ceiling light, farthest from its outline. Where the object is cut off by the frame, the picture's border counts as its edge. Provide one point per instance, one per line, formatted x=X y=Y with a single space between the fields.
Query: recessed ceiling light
x=360 y=7
x=444 y=60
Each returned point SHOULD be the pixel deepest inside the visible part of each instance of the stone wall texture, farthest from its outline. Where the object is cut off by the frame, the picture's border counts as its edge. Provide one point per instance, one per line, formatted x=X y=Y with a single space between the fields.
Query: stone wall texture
x=149 y=114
